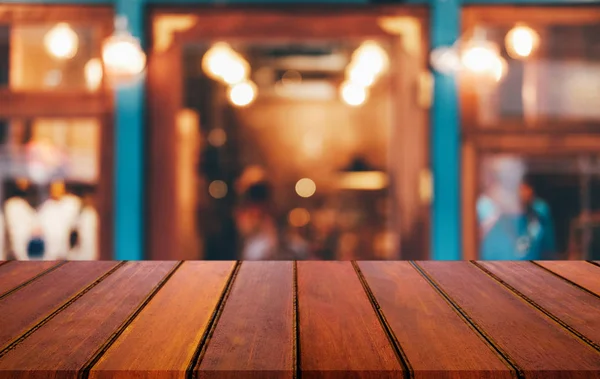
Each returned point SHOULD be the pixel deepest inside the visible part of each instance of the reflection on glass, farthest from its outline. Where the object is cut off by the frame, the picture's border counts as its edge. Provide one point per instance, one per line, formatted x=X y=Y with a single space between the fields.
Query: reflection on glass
x=539 y=207
x=277 y=177
x=49 y=171
x=553 y=75
x=49 y=56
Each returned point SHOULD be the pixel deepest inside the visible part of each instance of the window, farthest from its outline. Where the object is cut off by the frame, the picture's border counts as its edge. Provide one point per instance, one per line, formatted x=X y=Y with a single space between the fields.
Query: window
x=55 y=127
x=531 y=140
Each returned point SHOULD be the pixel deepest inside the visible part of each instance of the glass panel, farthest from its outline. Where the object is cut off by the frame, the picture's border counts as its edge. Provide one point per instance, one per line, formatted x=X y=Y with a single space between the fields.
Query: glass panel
x=539 y=207
x=49 y=57
x=299 y=172
x=558 y=83
x=49 y=170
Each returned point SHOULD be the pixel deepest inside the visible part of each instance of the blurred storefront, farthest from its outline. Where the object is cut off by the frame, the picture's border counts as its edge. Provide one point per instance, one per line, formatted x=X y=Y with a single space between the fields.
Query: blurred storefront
x=419 y=130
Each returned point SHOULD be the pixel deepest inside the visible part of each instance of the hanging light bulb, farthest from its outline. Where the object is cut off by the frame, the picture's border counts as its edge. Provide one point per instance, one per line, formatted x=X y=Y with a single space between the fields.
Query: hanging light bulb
x=521 y=41
x=480 y=57
x=445 y=60
x=61 y=41
x=93 y=74
x=371 y=56
x=122 y=54
x=235 y=70
x=222 y=63
x=353 y=94
x=361 y=74
x=242 y=94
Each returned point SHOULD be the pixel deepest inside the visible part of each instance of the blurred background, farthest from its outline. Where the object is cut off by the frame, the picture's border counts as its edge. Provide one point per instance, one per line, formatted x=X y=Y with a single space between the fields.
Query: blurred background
x=283 y=132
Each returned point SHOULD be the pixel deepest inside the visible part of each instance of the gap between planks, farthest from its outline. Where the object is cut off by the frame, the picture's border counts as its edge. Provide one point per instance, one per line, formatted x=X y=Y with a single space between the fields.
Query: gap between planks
x=487 y=339
x=297 y=373
x=31 y=280
x=538 y=307
x=53 y=314
x=85 y=371
x=190 y=372
x=568 y=280
x=402 y=358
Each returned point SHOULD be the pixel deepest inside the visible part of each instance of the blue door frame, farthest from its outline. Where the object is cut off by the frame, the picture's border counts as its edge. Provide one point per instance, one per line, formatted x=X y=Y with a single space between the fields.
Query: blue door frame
x=446 y=218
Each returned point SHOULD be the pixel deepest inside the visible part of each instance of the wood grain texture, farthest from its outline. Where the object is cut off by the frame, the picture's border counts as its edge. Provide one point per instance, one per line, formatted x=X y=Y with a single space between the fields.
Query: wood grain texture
x=540 y=347
x=578 y=309
x=65 y=344
x=15 y=274
x=581 y=273
x=178 y=317
x=29 y=305
x=254 y=338
x=340 y=333
x=436 y=340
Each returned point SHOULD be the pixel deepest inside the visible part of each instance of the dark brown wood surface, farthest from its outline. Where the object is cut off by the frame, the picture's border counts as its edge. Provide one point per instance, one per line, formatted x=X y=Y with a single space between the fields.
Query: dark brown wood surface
x=69 y=341
x=254 y=337
x=532 y=341
x=339 y=328
x=251 y=320
x=15 y=275
x=44 y=296
x=178 y=316
x=427 y=328
x=580 y=273
x=578 y=309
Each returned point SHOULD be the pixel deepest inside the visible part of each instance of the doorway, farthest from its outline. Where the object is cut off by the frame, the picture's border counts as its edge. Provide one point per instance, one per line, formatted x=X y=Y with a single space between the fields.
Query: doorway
x=288 y=134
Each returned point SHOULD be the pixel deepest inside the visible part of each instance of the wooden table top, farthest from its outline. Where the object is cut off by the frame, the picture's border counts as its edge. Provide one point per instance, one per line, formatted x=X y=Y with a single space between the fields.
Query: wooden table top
x=300 y=319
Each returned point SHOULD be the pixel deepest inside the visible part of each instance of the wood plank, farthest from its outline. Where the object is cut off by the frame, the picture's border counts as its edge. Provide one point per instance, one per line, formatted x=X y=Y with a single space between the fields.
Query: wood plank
x=66 y=343
x=178 y=315
x=436 y=340
x=17 y=273
x=581 y=273
x=24 y=308
x=578 y=309
x=254 y=337
x=540 y=347
x=340 y=333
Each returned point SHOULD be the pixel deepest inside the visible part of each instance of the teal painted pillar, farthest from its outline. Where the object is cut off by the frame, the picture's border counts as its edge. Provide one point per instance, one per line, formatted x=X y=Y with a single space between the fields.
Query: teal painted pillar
x=445 y=141
x=129 y=151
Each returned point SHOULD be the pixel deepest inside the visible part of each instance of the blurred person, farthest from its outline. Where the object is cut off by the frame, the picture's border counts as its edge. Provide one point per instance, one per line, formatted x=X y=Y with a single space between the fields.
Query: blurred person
x=256 y=224
x=515 y=224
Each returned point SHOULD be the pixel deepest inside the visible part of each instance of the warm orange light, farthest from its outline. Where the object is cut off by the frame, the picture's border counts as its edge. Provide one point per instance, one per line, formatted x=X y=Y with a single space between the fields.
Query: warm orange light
x=372 y=56
x=353 y=94
x=93 y=74
x=521 y=41
x=305 y=187
x=299 y=217
x=61 y=41
x=242 y=94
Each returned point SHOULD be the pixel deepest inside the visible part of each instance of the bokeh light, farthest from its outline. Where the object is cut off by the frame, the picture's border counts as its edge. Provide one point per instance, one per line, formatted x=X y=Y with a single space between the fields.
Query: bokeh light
x=61 y=41
x=305 y=187
x=521 y=41
x=217 y=189
x=353 y=94
x=242 y=94
x=299 y=217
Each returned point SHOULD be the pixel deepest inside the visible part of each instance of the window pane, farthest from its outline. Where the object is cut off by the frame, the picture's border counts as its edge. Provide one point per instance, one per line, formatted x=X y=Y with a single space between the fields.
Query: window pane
x=558 y=83
x=50 y=172
x=539 y=207
x=49 y=57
